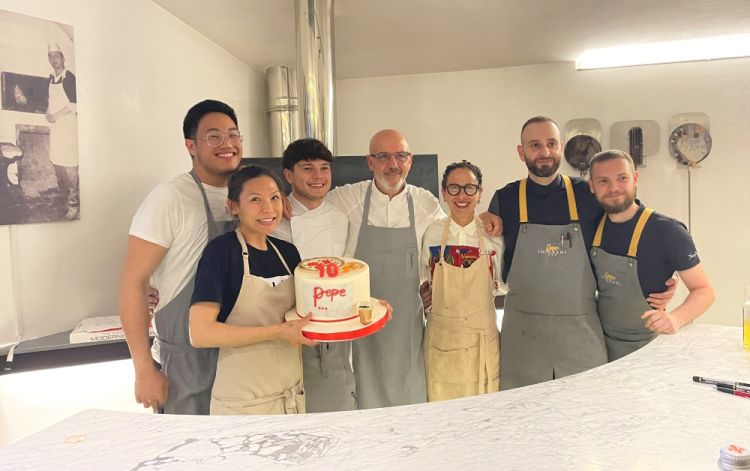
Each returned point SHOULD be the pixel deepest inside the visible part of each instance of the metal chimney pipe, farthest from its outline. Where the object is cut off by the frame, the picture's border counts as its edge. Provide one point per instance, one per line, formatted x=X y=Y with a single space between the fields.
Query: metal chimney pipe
x=281 y=85
x=314 y=31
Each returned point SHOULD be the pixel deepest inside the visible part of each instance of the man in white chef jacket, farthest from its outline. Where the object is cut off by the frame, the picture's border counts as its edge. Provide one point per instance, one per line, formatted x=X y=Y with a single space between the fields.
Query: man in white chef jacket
x=318 y=229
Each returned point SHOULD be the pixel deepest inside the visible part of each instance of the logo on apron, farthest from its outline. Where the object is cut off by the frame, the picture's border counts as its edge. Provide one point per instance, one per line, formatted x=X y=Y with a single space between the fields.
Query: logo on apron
x=610 y=279
x=552 y=250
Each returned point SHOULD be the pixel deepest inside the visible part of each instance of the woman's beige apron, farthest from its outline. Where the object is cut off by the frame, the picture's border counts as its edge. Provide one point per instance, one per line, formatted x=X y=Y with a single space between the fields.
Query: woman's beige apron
x=265 y=377
x=462 y=350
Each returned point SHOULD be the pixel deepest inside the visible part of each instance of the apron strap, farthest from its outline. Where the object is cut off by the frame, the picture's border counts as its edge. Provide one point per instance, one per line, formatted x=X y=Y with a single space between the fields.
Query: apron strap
x=245 y=253
x=634 y=239
x=599 y=232
x=441 y=261
x=523 y=205
x=213 y=231
x=638 y=231
x=572 y=207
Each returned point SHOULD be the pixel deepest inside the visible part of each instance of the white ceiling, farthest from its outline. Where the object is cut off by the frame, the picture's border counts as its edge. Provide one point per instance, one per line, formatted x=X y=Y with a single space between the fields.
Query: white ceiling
x=395 y=37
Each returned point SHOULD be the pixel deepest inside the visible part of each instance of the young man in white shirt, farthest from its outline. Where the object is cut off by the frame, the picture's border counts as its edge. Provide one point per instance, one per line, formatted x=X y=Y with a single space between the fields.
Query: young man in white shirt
x=167 y=237
x=318 y=229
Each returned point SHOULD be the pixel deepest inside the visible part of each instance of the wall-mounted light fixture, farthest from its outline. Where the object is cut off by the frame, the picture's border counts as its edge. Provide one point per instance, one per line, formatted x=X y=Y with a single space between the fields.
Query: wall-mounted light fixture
x=718 y=47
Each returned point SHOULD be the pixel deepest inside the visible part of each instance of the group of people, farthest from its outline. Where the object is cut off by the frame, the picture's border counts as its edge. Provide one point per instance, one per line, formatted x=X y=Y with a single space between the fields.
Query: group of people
x=587 y=269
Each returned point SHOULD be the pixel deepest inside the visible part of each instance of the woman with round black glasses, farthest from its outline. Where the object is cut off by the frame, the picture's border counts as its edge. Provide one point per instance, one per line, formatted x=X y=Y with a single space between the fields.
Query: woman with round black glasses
x=462 y=265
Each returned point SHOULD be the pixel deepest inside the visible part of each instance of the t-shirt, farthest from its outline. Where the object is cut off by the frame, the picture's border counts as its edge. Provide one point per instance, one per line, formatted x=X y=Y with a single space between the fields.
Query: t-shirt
x=173 y=216
x=665 y=247
x=220 y=271
x=546 y=205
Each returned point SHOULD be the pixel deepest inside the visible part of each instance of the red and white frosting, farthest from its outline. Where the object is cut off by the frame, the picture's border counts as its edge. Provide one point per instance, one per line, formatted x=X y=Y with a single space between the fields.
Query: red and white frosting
x=330 y=288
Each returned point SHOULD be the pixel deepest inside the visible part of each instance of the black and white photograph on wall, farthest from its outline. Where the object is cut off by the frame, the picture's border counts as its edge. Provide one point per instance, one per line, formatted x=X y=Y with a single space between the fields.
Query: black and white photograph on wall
x=39 y=179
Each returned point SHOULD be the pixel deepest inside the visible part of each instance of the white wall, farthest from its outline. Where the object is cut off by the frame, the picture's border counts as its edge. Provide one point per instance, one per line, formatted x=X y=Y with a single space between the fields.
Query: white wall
x=477 y=115
x=138 y=70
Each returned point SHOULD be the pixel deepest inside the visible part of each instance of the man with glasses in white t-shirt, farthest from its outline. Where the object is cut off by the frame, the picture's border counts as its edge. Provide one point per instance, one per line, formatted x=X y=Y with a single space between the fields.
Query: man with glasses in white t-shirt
x=167 y=236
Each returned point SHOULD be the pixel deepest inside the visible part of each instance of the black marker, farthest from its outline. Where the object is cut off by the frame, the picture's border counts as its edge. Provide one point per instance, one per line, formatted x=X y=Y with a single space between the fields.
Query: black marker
x=722 y=383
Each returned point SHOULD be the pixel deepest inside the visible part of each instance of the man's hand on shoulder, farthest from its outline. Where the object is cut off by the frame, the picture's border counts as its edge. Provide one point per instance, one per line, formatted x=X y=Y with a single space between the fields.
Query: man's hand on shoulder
x=493 y=225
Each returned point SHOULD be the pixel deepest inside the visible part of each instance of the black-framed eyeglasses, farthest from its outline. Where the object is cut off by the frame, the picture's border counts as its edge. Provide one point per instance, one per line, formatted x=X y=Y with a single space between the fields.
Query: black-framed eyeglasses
x=470 y=189
x=384 y=157
x=216 y=138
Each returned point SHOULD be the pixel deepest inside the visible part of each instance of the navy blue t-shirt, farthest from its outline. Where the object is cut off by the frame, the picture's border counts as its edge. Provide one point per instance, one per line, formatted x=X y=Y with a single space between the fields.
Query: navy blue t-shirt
x=546 y=205
x=665 y=247
x=219 y=275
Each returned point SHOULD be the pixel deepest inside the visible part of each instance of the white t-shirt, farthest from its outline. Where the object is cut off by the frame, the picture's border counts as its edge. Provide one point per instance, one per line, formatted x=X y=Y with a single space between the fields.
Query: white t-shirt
x=384 y=212
x=315 y=232
x=173 y=216
x=464 y=236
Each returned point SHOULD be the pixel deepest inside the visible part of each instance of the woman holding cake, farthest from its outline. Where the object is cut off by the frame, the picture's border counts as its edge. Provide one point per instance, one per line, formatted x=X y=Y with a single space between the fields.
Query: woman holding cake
x=243 y=287
x=462 y=263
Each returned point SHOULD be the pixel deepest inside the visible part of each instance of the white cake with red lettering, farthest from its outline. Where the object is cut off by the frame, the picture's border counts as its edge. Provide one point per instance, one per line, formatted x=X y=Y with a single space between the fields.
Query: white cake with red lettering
x=331 y=288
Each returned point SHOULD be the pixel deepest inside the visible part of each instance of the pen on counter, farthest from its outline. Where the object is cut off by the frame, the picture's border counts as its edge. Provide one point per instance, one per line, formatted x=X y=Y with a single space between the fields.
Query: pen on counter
x=722 y=382
x=735 y=392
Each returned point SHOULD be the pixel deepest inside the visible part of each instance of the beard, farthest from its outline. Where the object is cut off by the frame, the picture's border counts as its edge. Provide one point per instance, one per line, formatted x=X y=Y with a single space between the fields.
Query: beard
x=383 y=183
x=614 y=208
x=539 y=171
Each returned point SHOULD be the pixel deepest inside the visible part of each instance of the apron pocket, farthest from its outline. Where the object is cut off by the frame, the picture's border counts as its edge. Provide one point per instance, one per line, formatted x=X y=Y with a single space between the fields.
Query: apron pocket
x=453 y=356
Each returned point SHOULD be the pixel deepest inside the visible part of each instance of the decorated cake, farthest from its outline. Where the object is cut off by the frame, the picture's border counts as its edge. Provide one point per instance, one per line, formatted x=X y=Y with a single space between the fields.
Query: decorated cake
x=331 y=288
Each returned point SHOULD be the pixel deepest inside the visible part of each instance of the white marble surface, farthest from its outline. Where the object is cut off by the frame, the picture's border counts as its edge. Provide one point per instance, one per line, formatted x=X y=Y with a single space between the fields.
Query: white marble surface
x=642 y=412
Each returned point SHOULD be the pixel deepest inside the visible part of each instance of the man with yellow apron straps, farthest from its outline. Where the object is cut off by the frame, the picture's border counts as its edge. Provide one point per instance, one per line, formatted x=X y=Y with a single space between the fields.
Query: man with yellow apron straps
x=557 y=334
x=620 y=301
x=462 y=353
x=634 y=249
x=318 y=229
x=264 y=377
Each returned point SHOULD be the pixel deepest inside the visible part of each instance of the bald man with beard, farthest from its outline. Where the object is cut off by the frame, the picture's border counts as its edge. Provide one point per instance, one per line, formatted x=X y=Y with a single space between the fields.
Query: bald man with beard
x=387 y=219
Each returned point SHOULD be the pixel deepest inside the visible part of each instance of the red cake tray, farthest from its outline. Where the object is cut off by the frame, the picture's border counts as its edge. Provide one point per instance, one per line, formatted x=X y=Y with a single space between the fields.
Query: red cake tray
x=341 y=331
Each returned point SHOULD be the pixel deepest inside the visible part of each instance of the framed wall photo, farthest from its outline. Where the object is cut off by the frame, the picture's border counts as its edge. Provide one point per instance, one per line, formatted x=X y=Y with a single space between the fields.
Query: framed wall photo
x=25 y=93
x=39 y=178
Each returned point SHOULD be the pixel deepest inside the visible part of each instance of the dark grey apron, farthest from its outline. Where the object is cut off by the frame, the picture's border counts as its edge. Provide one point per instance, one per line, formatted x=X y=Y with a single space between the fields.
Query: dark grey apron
x=190 y=372
x=389 y=365
x=329 y=380
x=620 y=301
x=550 y=328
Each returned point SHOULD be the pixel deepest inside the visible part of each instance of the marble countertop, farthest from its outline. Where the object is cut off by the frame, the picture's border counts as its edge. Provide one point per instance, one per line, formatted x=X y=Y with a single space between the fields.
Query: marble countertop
x=642 y=412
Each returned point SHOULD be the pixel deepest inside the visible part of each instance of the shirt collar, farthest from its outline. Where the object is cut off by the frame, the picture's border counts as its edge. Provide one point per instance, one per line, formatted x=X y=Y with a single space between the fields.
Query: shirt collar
x=470 y=228
x=299 y=209
x=383 y=197
x=62 y=75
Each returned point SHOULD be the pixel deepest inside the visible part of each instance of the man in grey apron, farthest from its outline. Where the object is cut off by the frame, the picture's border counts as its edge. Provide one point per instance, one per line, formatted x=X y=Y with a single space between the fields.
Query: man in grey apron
x=550 y=327
x=642 y=248
x=387 y=219
x=318 y=229
x=184 y=383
